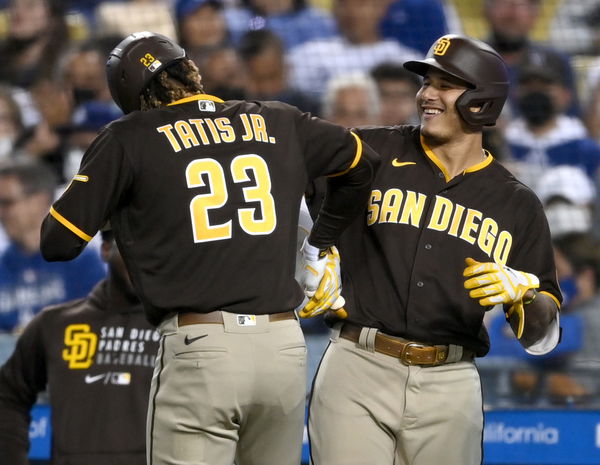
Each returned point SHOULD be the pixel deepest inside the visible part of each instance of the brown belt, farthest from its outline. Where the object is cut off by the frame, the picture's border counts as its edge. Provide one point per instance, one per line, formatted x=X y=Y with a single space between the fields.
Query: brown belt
x=216 y=317
x=410 y=353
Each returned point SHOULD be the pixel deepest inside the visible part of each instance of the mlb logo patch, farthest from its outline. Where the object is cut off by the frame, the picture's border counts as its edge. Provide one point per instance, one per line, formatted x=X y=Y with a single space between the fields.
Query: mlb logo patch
x=246 y=320
x=206 y=105
x=122 y=378
x=154 y=66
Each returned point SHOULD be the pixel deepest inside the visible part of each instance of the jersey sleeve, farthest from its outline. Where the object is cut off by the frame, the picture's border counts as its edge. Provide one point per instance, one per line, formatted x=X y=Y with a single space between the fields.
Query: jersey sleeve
x=328 y=149
x=349 y=165
x=84 y=207
x=22 y=377
x=533 y=251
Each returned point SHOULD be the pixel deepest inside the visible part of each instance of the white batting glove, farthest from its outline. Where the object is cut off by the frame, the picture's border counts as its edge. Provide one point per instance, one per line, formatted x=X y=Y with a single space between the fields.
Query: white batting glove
x=327 y=296
x=497 y=284
x=315 y=262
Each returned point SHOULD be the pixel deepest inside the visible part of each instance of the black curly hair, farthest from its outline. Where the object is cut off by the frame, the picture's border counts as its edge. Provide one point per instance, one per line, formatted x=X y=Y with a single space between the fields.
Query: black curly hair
x=175 y=82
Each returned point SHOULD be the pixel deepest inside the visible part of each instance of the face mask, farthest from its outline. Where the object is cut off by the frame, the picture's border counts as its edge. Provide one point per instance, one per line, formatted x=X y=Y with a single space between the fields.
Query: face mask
x=568 y=288
x=506 y=44
x=83 y=95
x=536 y=107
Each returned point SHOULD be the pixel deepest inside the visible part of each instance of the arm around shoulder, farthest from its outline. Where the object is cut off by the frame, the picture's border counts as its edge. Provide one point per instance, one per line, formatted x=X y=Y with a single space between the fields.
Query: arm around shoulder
x=347 y=195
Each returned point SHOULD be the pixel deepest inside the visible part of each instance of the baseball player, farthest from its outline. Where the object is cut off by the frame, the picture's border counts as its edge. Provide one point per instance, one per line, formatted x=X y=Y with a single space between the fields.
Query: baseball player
x=203 y=196
x=95 y=356
x=447 y=234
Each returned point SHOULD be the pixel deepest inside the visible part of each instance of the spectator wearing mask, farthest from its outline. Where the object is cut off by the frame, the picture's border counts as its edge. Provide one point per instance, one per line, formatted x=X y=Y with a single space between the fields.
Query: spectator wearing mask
x=544 y=135
x=511 y=24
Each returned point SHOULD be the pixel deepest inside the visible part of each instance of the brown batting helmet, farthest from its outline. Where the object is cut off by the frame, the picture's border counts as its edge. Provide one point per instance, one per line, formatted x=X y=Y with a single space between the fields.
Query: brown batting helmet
x=476 y=63
x=135 y=62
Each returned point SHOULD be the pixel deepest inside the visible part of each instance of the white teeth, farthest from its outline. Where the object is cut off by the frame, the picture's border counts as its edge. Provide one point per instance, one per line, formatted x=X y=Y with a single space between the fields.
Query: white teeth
x=432 y=111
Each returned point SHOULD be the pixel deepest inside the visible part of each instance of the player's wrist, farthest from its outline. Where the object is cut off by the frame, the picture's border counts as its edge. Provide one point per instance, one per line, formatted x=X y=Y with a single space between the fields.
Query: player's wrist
x=529 y=296
x=313 y=253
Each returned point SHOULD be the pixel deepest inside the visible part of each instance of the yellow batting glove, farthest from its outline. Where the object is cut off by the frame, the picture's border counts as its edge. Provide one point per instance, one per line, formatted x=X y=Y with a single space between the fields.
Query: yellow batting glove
x=327 y=296
x=493 y=284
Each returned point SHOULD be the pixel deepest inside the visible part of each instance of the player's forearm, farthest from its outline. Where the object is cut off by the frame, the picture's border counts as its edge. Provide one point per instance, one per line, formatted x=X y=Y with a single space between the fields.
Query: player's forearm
x=58 y=243
x=539 y=314
x=346 y=197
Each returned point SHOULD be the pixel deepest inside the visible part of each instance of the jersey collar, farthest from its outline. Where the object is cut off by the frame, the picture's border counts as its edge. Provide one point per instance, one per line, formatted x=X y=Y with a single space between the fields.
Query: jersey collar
x=196 y=97
x=432 y=156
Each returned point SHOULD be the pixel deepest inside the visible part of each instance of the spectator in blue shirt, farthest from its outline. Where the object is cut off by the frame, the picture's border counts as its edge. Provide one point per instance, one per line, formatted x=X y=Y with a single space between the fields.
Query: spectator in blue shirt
x=27 y=282
x=544 y=135
x=295 y=21
x=415 y=23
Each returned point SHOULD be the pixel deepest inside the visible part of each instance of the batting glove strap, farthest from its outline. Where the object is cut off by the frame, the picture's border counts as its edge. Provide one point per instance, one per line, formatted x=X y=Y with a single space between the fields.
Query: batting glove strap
x=493 y=284
x=315 y=263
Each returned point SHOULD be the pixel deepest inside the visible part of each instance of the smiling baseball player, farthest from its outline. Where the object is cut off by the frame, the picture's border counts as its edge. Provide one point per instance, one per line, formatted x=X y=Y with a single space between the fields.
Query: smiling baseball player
x=447 y=234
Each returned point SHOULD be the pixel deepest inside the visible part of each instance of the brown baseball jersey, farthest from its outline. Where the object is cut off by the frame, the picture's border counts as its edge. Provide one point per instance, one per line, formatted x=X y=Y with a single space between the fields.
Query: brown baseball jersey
x=403 y=260
x=203 y=196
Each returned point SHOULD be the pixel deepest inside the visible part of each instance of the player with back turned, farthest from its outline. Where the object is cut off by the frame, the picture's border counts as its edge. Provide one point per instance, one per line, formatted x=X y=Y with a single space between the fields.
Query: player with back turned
x=203 y=197
x=447 y=234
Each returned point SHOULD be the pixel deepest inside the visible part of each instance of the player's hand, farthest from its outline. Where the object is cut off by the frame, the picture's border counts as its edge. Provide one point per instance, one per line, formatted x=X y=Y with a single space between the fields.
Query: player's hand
x=315 y=263
x=327 y=296
x=493 y=284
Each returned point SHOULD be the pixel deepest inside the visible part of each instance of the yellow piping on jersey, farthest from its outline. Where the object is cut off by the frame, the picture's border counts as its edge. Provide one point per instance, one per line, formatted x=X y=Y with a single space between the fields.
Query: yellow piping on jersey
x=432 y=156
x=70 y=226
x=479 y=166
x=356 y=158
x=552 y=297
x=196 y=97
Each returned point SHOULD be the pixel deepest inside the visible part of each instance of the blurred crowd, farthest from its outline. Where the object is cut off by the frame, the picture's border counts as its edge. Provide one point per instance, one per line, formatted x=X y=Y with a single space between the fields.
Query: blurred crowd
x=340 y=60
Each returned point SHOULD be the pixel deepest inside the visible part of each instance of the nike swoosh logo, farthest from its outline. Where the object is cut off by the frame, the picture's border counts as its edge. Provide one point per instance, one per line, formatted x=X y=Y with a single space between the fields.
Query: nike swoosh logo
x=92 y=379
x=397 y=163
x=189 y=340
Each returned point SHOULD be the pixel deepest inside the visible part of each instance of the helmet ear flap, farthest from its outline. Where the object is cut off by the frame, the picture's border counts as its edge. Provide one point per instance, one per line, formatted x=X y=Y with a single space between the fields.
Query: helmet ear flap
x=490 y=102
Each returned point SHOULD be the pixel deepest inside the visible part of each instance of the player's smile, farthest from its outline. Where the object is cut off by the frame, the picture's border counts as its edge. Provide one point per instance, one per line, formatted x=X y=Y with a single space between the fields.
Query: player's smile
x=430 y=112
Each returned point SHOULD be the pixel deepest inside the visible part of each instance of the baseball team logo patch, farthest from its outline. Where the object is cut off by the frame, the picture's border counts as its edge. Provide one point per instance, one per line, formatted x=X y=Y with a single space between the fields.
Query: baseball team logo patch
x=442 y=46
x=81 y=345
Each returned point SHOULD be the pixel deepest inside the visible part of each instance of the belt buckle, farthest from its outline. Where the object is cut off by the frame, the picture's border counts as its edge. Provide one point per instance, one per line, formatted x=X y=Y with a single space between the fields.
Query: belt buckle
x=405 y=354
